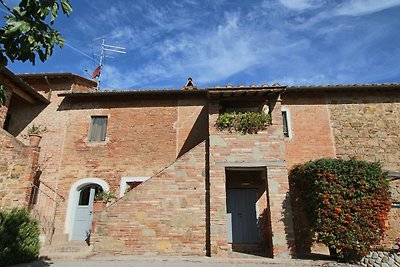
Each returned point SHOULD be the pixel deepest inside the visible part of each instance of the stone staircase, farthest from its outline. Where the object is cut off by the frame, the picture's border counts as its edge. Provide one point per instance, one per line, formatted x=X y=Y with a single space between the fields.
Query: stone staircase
x=63 y=249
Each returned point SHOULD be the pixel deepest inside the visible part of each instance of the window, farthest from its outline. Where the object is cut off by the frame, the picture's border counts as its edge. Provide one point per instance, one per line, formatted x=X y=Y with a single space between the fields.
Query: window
x=98 y=129
x=285 y=123
x=129 y=183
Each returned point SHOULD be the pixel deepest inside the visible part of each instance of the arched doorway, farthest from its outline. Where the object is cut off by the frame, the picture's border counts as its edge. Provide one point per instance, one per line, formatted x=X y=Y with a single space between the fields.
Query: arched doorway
x=84 y=212
x=80 y=207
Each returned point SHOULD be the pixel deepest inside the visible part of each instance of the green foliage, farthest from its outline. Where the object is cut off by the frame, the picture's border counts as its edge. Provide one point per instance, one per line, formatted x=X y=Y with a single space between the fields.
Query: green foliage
x=27 y=33
x=245 y=123
x=3 y=95
x=19 y=237
x=105 y=196
x=36 y=129
x=347 y=203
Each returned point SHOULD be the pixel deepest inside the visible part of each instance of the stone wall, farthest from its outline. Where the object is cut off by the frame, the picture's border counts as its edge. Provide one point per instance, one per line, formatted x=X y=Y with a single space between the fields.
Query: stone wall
x=381 y=259
x=346 y=123
x=17 y=167
x=164 y=215
x=393 y=232
x=366 y=126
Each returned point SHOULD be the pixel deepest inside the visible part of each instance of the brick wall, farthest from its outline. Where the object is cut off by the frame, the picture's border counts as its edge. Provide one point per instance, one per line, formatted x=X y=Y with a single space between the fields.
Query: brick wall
x=265 y=149
x=310 y=130
x=144 y=136
x=17 y=167
x=164 y=215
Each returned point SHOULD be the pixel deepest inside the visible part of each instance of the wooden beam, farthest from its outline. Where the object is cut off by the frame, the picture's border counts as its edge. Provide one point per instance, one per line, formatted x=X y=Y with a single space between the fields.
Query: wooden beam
x=23 y=95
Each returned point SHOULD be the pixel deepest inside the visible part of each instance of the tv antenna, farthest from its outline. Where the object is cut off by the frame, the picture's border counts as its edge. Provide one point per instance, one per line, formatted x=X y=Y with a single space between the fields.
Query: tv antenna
x=105 y=48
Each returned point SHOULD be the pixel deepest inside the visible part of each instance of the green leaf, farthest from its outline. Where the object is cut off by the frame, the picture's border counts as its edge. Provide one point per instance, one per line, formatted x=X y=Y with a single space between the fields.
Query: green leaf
x=66 y=7
x=54 y=12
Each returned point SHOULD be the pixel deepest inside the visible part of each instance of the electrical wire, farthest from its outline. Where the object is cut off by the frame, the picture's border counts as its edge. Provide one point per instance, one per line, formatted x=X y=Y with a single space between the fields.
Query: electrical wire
x=79 y=51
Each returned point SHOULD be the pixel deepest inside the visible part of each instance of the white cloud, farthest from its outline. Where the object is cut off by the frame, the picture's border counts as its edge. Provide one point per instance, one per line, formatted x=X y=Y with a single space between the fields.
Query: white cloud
x=300 y=5
x=364 y=7
x=215 y=42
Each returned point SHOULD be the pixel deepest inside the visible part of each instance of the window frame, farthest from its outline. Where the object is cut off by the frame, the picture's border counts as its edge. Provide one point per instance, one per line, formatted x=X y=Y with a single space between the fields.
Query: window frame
x=125 y=180
x=91 y=129
x=286 y=117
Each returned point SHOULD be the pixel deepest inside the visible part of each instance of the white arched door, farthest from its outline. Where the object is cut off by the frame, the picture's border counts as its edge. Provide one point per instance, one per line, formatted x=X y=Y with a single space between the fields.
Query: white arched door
x=82 y=223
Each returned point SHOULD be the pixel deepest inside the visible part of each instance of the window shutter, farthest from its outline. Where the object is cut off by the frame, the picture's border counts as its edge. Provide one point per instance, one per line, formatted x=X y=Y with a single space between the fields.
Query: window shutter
x=98 y=128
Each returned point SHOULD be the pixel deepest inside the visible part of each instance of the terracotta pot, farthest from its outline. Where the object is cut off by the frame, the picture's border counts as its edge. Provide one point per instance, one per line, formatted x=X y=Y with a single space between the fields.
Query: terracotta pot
x=99 y=206
x=34 y=140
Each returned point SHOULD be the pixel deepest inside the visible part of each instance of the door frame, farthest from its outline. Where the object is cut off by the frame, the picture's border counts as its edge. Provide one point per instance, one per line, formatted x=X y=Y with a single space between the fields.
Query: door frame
x=74 y=197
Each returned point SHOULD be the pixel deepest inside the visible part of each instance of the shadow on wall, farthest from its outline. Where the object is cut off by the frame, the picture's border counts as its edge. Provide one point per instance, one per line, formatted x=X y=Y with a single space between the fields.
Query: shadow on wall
x=288 y=220
x=303 y=234
x=127 y=101
x=198 y=133
x=21 y=113
x=264 y=221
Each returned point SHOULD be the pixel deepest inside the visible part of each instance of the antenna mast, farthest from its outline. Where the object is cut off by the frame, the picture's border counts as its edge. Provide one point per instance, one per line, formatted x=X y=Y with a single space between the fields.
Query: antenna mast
x=105 y=47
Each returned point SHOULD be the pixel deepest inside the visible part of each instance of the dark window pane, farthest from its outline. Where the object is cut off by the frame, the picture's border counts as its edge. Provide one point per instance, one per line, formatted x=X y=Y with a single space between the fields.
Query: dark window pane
x=84 y=197
x=285 y=124
x=98 y=128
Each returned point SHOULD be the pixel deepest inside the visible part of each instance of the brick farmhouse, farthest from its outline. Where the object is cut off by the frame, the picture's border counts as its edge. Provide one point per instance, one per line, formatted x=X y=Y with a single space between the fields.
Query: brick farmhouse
x=182 y=186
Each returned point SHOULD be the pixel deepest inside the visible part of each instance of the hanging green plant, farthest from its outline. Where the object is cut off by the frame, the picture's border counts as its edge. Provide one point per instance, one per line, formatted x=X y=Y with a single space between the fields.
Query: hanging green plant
x=245 y=123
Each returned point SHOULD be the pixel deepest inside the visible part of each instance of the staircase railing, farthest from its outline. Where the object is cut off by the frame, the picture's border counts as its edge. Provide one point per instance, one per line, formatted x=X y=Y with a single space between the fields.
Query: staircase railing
x=43 y=207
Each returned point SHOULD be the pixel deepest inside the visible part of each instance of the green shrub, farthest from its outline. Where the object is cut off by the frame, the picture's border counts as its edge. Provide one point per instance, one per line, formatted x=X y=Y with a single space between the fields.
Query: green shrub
x=19 y=237
x=346 y=202
x=245 y=123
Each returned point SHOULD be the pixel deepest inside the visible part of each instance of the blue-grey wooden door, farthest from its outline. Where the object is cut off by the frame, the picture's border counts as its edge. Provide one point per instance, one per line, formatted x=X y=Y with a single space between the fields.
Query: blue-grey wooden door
x=242 y=217
x=83 y=214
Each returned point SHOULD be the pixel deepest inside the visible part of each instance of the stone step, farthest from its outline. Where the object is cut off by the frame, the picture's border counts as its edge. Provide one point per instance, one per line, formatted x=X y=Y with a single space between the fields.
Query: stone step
x=68 y=250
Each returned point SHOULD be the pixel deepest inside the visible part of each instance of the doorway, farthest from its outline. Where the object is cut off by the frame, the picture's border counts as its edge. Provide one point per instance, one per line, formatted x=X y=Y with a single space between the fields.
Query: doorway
x=248 y=213
x=82 y=224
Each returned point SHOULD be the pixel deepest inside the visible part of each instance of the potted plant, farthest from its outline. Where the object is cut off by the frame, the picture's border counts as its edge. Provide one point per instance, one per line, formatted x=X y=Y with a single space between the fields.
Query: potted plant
x=34 y=133
x=101 y=199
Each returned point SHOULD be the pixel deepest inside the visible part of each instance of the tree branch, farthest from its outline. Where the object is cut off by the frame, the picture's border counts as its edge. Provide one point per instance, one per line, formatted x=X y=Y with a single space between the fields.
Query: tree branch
x=4 y=4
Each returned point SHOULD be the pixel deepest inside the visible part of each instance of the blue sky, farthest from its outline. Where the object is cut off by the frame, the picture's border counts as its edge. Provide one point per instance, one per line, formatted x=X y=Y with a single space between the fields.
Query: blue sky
x=292 y=42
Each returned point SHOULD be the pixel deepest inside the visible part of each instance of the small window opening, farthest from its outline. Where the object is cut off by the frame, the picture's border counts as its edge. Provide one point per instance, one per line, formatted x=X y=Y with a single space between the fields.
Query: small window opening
x=132 y=185
x=98 y=129
x=84 y=197
x=285 y=124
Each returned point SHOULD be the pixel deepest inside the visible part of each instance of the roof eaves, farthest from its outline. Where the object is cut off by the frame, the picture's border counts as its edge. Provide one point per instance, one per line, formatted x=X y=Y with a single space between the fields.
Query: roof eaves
x=26 y=87
x=134 y=93
x=57 y=75
x=344 y=86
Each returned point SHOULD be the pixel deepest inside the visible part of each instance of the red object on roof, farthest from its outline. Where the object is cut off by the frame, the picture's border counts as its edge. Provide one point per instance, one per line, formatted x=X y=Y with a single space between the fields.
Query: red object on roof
x=96 y=72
